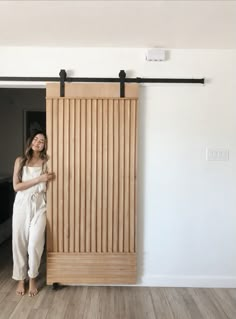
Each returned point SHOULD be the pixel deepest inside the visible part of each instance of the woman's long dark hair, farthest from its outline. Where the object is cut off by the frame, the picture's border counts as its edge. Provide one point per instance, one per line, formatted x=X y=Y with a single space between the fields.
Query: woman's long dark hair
x=29 y=153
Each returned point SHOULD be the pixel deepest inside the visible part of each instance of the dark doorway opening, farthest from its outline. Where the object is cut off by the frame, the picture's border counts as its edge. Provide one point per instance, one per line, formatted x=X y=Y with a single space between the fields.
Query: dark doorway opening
x=16 y=107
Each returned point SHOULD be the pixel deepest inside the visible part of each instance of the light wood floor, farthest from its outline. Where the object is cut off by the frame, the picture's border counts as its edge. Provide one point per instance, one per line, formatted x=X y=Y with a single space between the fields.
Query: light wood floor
x=110 y=302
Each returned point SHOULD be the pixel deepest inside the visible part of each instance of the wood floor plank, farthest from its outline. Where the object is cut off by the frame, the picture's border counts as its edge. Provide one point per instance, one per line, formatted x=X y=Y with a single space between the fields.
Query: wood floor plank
x=7 y=308
x=190 y=304
x=59 y=304
x=143 y=304
x=2 y=296
x=45 y=299
x=205 y=304
x=127 y=303
x=23 y=307
x=232 y=293
x=161 y=305
x=91 y=307
x=77 y=304
x=37 y=314
x=224 y=301
x=72 y=312
x=110 y=308
x=12 y=296
x=177 y=303
x=6 y=283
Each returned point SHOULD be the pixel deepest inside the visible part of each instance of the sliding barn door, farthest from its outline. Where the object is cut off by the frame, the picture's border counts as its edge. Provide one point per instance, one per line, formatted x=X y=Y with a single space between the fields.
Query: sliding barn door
x=91 y=205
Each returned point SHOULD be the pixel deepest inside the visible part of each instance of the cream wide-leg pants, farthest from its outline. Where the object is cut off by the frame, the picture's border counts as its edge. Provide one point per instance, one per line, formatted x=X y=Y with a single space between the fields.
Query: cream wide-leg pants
x=28 y=234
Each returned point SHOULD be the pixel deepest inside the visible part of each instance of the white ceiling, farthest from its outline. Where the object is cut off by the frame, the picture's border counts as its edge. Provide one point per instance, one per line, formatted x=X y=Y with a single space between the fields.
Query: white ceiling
x=197 y=24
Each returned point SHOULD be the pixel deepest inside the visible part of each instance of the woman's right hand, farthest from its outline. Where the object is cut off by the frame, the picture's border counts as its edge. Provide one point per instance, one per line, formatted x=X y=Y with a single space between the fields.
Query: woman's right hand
x=47 y=177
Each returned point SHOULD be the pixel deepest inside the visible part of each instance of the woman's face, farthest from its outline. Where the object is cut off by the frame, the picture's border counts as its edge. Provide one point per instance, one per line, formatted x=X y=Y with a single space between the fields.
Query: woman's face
x=38 y=143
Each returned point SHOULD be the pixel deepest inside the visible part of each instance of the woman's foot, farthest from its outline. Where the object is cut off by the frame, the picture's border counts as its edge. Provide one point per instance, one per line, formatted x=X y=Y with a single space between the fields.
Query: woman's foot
x=20 y=289
x=32 y=287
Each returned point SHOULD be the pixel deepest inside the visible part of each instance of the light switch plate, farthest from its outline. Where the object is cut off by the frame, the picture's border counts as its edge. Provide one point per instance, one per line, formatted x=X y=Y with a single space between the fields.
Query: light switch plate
x=217 y=154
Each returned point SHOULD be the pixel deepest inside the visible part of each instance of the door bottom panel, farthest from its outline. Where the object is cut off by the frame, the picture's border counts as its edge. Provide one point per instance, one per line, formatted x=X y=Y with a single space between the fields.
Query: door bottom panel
x=89 y=268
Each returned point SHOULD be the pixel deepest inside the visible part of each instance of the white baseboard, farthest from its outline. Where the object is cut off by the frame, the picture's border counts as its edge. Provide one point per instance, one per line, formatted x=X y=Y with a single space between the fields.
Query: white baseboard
x=188 y=281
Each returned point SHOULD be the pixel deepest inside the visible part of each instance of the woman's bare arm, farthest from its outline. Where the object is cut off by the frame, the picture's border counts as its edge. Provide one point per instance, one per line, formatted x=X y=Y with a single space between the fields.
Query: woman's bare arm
x=20 y=186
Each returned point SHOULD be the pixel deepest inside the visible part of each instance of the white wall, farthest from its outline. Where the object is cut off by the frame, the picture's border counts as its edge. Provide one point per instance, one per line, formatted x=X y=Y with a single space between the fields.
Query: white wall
x=186 y=205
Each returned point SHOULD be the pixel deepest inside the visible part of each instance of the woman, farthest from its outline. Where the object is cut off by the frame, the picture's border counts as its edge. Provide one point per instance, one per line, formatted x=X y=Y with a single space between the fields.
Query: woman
x=29 y=212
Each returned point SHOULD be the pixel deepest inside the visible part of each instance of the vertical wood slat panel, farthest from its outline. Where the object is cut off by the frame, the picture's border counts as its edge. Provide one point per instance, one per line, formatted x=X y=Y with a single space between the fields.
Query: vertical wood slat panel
x=116 y=178
x=83 y=177
x=104 y=176
x=60 y=176
x=121 y=175
x=94 y=176
x=135 y=177
x=110 y=177
x=127 y=177
x=88 y=176
x=72 y=144
x=55 y=170
x=92 y=205
x=133 y=152
x=66 y=152
x=49 y=126
x=99 y=174
x=77 y=173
